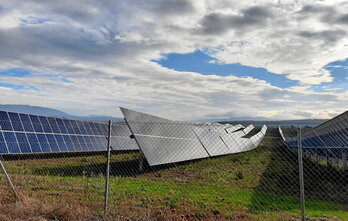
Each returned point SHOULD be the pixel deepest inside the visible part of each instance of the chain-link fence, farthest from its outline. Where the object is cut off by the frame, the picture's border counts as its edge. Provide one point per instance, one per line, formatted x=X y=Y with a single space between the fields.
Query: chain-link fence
x=180 y=171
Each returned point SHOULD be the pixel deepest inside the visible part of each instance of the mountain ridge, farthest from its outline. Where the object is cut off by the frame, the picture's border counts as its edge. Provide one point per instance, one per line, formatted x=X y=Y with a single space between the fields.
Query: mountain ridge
x=51 y=112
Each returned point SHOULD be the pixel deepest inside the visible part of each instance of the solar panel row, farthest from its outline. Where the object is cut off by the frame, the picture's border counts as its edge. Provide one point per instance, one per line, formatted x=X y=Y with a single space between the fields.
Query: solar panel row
x=27 y=133
x=330 y=139
x=164 y=141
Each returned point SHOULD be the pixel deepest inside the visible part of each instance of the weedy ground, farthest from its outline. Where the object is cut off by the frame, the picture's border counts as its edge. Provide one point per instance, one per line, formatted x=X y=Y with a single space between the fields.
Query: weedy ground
x=258 y=185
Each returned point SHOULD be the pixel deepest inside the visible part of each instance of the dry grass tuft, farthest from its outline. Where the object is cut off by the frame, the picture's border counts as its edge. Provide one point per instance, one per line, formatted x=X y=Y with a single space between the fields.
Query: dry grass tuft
x=27 y=208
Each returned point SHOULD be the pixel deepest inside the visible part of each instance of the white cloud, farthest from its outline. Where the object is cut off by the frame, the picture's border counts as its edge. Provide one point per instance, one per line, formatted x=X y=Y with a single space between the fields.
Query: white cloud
x=104 y=51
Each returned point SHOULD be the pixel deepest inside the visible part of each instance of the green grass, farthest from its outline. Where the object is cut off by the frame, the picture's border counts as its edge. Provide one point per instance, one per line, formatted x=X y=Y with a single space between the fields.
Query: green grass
x=261 y=184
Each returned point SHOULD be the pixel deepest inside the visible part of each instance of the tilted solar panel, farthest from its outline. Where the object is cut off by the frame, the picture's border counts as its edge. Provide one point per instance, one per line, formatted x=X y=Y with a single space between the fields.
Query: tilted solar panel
x=212 y=141
x=164 y=141
x=236 y=143
x=27 y=133
x=234 y=128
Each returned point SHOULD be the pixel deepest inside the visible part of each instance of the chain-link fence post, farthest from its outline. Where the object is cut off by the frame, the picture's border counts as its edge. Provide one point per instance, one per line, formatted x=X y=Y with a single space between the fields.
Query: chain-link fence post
x=344 y=159
x=300 y=167
x=107 y=170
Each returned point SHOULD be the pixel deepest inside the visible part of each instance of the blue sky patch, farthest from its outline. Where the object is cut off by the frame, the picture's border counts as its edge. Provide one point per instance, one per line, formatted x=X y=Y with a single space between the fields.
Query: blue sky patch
x=204 y=64
x=15 y=72
x=34 y=20
x=17 y=86
x=339 y=71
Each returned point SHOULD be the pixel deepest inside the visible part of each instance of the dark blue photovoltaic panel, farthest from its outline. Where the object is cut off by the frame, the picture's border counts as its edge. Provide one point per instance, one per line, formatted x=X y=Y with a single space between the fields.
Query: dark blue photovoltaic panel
x=54 y=125
x=88 y=128
x=69 y=144
x=75 y=126
x=17 y=126
x=69 y=126
x=76 y=143
x=34 y=143
x=53 y=143
x=36 y=123
x=5 y=121
x=82 y=127
x=4 y=116
x=23 y=143
x=5 y=125
x=26 y=122
x=61 y=126
x=94 y=143
x=3 y=148
x=89 y=143
x=16 y=123
x=27 y=133
x=45 y=125
x=13 y=116
x=44 y=143
x=82 y=142
x=61 y=143
x=11 y=141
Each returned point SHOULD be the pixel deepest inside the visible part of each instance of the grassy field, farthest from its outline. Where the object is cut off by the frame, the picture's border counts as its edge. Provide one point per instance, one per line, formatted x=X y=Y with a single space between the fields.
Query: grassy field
x=257 y=185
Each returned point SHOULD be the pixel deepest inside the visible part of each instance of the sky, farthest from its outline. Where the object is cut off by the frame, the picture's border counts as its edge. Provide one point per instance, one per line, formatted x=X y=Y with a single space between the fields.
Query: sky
x=179 y=59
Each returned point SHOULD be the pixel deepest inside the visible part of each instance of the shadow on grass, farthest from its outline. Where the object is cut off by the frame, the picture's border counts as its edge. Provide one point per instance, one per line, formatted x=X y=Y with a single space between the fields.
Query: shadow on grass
x=326 y=187
x=124 y=168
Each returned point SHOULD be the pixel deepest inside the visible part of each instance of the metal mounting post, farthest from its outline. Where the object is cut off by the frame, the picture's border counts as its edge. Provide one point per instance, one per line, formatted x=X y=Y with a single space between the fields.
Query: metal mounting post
x=141 y=157
x=107 y=170
x=344 y=159
x=300 y=166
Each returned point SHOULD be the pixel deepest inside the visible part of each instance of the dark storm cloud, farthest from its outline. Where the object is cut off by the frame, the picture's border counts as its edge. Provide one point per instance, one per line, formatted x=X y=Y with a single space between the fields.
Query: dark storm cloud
x=167 y=7
x=327 y=36
x=343 y=19
x=314 y=9
x=55 y=41
x=327 y=14
x=217 y=23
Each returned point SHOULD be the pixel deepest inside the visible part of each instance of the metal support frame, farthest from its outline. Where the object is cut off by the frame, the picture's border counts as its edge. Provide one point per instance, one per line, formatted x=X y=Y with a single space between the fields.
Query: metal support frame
x=8 y=178
x=300 y=166
x=141 y=157
x=107 y=176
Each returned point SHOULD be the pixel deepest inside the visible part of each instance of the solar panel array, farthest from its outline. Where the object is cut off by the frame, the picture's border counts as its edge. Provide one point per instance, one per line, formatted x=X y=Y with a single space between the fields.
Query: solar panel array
x=164 y=141
x=327 y=139
x=26 y=133
x=332 y=134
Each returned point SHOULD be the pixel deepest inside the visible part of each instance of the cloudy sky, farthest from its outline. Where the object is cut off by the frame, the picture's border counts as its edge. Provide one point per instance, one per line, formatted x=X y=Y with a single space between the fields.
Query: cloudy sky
x=180 y=59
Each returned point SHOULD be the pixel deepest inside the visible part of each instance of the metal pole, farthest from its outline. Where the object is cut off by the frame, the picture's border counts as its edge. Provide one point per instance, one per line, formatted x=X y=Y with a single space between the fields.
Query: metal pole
x=344 y=159
x=300 y=165
x=141 y=158
x=8 y=178
x=107 y=170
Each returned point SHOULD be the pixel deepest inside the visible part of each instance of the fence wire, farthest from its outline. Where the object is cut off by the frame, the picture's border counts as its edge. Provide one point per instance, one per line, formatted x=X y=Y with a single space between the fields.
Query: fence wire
x=176 y=176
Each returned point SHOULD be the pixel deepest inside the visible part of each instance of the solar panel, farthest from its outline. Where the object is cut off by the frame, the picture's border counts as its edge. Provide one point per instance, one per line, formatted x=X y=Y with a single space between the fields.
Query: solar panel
x=212 y=141
x=27 y=133
x=234 y=128
x=164 y=141
x=236 y=143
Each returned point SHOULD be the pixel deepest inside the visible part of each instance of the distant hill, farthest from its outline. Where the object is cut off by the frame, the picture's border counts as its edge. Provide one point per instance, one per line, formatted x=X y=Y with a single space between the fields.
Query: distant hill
x=52 y=112
x=281 y=123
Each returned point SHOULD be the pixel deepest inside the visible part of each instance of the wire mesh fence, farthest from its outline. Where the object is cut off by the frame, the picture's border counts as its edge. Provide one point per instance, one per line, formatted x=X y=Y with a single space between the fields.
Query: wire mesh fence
x=179 y=171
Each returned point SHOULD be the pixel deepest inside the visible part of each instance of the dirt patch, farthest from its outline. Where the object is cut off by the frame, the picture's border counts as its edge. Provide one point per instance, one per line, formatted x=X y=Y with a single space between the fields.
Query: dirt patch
x=177 y=175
